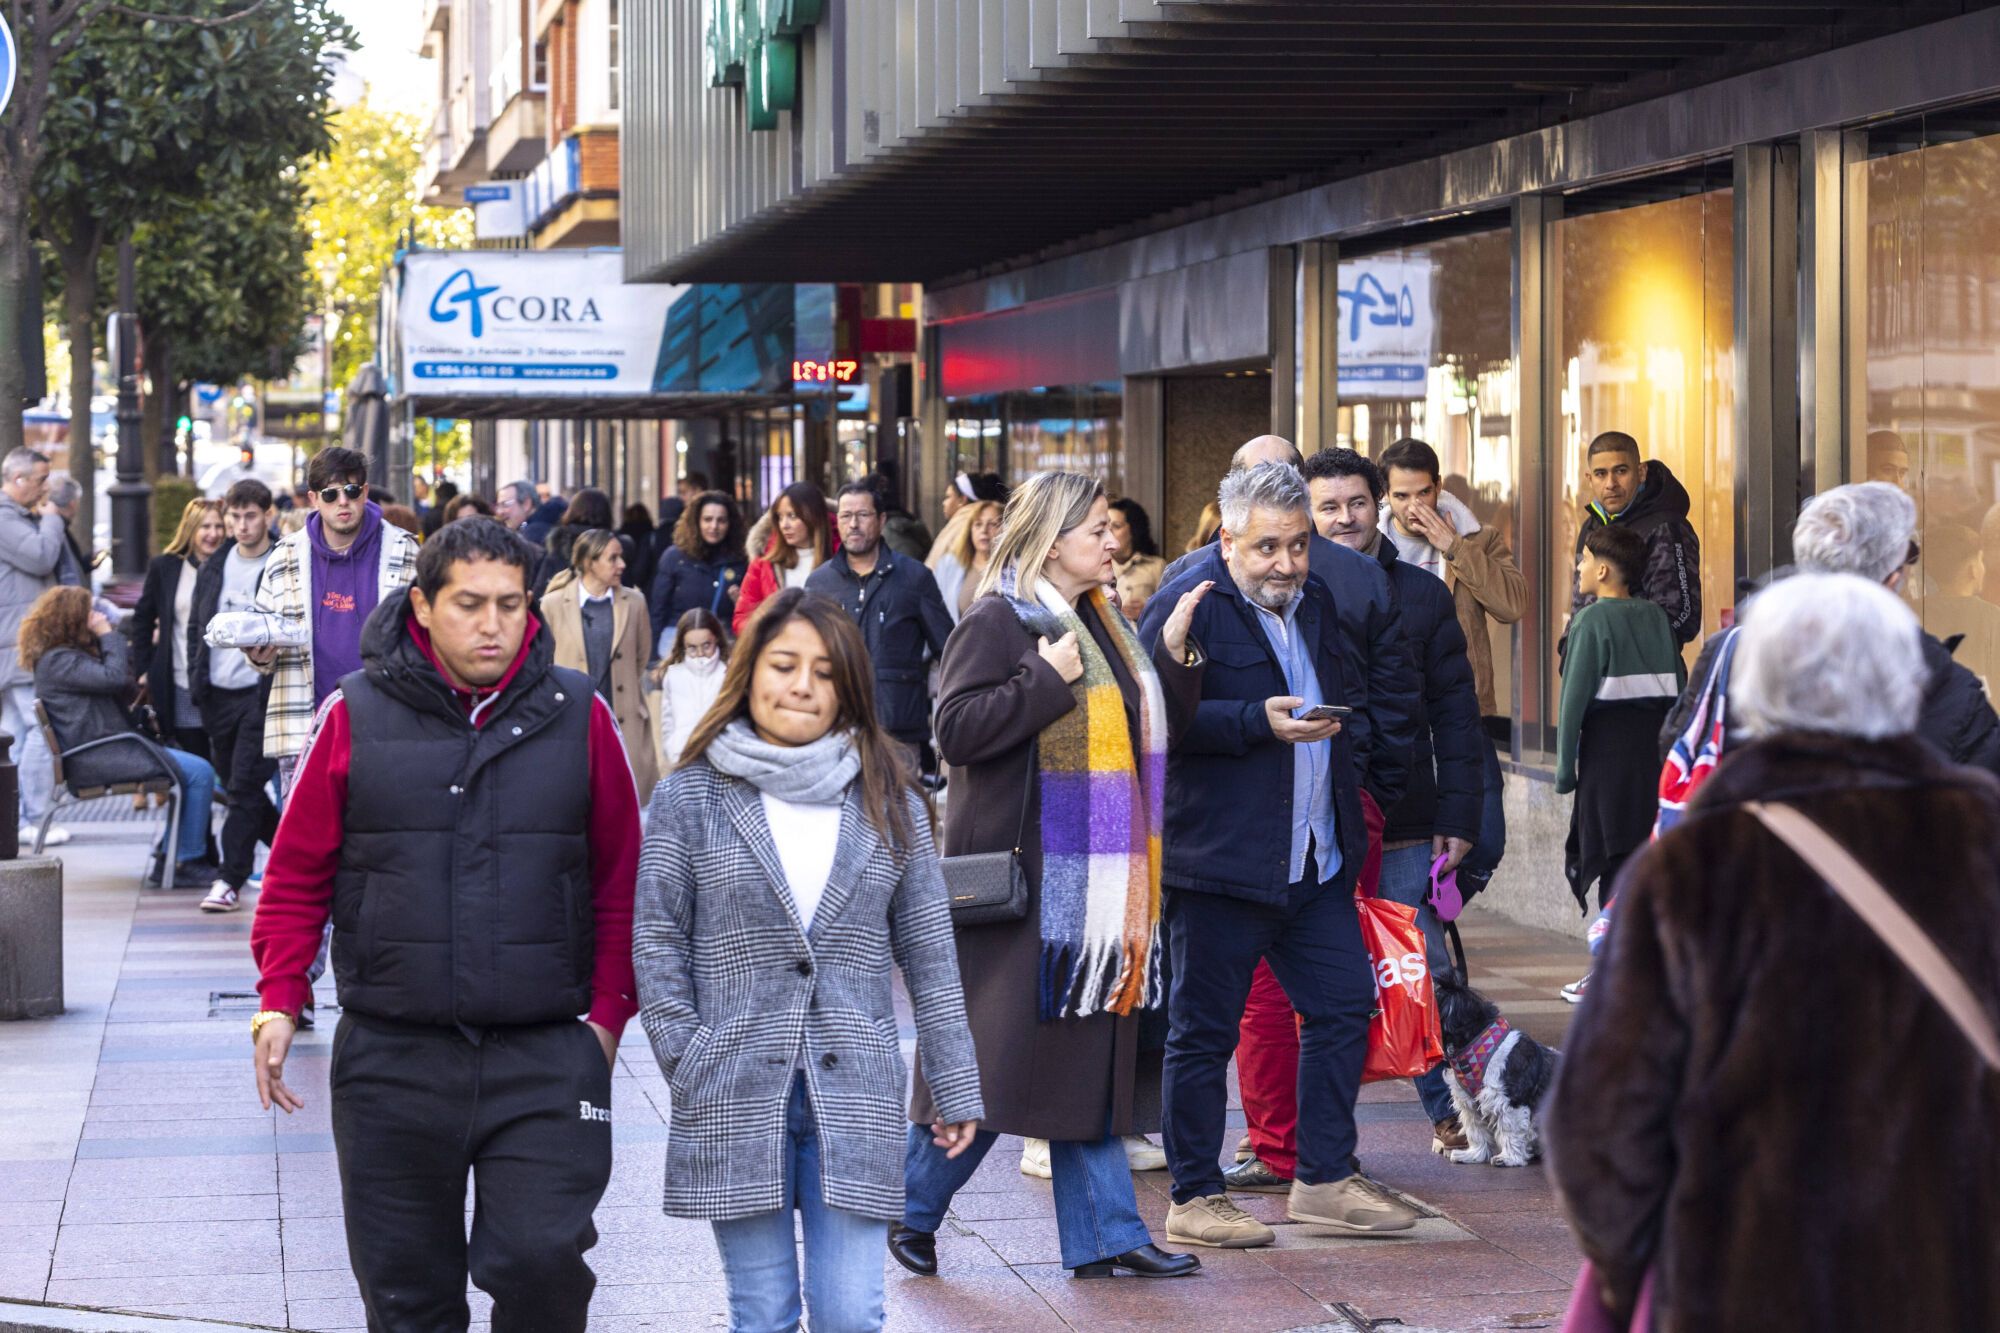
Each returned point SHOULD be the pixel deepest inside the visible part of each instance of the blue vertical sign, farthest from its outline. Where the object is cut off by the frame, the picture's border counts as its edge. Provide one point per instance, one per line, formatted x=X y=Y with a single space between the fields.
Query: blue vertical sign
x=10 y=62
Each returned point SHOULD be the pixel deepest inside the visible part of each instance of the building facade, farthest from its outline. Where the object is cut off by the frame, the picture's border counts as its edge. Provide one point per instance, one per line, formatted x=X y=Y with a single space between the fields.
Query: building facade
x=1760 y=239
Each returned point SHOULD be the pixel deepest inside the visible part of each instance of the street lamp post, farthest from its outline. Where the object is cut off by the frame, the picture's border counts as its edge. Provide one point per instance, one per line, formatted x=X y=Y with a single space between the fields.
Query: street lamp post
x=131 y=496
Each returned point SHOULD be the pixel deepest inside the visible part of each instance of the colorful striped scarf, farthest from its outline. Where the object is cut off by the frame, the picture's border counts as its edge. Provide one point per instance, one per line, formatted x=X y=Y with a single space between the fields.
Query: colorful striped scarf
x=1102 y=811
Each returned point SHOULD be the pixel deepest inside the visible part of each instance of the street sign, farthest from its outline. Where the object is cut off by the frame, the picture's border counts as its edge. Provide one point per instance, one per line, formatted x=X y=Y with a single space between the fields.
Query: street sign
x=488 y=194
x=10 y=62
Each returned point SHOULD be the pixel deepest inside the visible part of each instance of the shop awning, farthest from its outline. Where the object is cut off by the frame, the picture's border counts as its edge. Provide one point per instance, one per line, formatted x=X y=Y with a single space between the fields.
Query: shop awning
x=1038 y=129
x=642 y=407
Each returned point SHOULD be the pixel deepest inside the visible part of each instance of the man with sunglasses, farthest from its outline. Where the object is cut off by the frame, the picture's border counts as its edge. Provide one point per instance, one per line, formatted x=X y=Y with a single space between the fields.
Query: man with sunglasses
x=330 y=574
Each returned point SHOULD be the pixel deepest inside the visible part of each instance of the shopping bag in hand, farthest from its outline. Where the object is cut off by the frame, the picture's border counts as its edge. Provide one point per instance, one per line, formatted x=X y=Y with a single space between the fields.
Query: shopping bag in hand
x=1403 y=1038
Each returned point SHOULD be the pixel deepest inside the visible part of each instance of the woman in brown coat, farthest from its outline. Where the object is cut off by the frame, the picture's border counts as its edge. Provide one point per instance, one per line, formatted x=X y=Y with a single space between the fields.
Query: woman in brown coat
x=1761 y=1105
x=1056 y=1024
x=601 y=629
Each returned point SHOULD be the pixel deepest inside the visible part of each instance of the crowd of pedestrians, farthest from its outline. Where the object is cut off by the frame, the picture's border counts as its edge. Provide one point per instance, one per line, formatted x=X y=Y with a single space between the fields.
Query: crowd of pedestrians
x=540 y=774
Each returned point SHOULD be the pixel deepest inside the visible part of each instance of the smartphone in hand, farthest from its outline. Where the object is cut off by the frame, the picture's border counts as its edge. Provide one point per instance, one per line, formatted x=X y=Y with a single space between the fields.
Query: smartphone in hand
x=1325 y=712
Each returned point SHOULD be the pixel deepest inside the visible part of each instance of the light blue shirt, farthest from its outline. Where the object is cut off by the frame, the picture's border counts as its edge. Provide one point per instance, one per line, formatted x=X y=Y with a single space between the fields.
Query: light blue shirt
x=1313 y=819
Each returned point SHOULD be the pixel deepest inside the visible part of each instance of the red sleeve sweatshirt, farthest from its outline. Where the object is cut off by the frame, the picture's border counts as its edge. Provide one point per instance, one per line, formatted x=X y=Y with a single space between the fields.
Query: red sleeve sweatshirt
x=298 y=878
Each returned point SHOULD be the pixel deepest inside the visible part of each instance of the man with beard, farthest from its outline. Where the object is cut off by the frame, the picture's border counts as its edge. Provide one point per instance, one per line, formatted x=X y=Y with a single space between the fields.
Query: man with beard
x=1267 y=763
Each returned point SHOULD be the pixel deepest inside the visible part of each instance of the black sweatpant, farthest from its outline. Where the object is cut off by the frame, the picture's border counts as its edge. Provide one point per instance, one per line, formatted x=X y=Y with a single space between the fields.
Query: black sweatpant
x=525 y=1110
x=235 y=722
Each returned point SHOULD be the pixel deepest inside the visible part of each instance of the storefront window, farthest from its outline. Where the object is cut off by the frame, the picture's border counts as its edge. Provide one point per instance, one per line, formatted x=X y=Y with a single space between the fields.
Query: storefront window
x=1425 y=347
x=1072 y=427
x=1930 y=351
x=1644 y=339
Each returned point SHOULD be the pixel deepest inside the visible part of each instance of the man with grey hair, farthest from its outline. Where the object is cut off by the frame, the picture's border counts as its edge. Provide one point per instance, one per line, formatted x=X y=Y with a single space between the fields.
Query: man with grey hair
x=31 y=550
x=1869 y=529
x=65 y=495
x=514 y=503
x=1266 y=763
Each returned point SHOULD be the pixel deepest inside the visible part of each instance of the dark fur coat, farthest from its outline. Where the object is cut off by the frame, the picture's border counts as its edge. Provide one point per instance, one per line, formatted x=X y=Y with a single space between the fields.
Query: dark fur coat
x=1760 y=1102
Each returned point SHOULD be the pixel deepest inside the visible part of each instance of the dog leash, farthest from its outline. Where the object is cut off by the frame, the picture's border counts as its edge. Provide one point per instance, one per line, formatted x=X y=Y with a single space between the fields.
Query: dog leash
x=1886 y=917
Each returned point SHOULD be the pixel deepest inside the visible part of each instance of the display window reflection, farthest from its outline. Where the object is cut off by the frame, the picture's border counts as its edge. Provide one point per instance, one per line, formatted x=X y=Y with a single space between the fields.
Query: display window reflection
x=1425 y=349
x=1644 y=342
x=1925 y=359
x=1071 y=427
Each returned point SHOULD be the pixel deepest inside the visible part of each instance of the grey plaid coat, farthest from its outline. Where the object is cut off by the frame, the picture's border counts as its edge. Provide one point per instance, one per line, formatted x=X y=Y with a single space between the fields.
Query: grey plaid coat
x=736 y=998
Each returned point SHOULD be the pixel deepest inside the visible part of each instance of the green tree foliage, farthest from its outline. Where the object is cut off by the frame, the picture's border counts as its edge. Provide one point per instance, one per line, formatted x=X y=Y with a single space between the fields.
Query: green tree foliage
x=143 y=115
x=363 y=208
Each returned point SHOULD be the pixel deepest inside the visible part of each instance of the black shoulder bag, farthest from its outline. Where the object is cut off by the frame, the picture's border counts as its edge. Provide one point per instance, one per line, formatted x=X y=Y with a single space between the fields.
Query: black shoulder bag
x=990 y=887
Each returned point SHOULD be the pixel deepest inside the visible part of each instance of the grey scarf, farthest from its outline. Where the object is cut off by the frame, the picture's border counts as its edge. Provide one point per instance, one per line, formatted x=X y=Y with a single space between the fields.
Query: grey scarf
x=815 y=774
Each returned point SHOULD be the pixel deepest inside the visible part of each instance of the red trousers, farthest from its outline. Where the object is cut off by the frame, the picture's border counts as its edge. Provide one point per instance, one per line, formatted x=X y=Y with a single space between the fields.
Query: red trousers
x=1267 y=1044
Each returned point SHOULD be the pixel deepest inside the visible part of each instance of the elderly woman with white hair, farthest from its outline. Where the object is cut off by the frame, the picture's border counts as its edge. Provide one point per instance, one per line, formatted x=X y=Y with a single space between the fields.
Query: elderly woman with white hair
x=1764 y=1113
x=1869 y=529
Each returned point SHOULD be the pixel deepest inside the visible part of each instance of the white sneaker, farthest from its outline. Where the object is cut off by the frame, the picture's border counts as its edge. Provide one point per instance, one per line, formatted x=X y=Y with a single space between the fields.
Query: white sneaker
x=1035 y=1158
x=58 y=835
x=221 y=898
x=1574 y=991
x=1142 y=1154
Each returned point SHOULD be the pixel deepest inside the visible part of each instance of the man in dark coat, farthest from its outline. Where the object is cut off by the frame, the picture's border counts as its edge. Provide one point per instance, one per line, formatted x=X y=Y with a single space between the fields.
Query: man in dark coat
x=465 y=816
x=1645 y=497
x=896 y=602
x=1266 y=764
x=1381 y=687
x=1869 y=528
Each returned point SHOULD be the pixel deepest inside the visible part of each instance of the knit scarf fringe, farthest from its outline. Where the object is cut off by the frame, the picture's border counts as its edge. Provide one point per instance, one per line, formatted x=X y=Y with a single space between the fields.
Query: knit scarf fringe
x=1102 y=811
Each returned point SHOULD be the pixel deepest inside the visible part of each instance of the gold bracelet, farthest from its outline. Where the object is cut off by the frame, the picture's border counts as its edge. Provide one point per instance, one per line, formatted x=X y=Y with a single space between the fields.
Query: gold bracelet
x=263 y=1016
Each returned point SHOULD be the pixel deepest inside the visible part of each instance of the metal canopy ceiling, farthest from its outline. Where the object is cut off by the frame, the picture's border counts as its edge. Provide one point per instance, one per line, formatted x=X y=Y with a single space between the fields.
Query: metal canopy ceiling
x=1223 y=102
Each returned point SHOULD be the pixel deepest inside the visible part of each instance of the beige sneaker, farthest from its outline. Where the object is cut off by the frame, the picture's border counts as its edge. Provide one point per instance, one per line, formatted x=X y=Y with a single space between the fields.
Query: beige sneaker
x=1354 y=1204
x=1217 y=1223
x=1035 y=1159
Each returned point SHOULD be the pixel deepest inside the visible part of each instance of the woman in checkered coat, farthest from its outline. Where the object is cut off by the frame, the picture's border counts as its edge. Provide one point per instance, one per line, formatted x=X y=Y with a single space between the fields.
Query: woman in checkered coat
x=788 y=859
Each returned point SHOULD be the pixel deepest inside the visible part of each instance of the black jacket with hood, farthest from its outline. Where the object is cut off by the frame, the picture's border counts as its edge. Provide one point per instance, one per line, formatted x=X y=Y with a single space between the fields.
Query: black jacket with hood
x=1659 y=513
x=1447 y=782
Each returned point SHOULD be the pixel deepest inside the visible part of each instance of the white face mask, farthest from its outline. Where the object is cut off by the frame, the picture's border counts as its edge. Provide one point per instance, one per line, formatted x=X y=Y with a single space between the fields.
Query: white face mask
x=703 y=666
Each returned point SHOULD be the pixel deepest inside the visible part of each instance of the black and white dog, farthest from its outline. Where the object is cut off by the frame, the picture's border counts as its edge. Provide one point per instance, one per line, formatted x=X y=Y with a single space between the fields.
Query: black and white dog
x=1498 y=1076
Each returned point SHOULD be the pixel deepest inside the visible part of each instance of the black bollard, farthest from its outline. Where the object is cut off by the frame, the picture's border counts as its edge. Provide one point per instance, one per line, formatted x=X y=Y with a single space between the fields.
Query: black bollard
x=10 y=801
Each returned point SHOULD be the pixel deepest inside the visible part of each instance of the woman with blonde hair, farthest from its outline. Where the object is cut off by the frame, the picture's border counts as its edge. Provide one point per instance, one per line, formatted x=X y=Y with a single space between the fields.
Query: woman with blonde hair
x=601 y=629
x=973 y=551
x=158 y=624
x=1056 y=723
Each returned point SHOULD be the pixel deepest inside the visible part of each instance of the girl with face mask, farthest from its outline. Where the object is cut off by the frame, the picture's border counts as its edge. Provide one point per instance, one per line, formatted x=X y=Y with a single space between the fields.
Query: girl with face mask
x=690 y=677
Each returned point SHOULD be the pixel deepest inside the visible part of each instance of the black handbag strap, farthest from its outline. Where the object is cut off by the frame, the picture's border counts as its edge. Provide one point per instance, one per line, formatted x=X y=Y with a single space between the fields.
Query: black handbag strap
x=1027 y=790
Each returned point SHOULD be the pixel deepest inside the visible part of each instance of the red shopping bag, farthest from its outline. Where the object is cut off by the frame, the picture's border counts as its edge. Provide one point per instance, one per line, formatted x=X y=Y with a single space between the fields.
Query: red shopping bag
x=1403 y=1038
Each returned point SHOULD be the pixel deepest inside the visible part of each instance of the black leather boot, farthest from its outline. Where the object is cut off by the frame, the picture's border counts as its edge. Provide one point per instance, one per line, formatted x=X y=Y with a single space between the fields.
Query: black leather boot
x=914 y=1250
x=1146 y=1261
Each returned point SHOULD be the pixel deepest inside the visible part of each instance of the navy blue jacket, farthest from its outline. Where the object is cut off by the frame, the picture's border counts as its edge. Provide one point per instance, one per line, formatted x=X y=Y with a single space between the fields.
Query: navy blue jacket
x=683 y=583
x=1381 y=680
x=1229 y=780
x=902 y=618
x=1447 y=783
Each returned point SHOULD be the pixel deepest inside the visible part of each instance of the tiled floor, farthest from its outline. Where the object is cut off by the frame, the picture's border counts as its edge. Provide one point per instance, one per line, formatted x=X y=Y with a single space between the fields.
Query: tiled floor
x=138 y=1173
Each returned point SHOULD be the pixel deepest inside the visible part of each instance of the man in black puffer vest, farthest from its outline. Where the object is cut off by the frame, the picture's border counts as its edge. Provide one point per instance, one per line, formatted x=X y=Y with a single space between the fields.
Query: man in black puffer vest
x=464 y=813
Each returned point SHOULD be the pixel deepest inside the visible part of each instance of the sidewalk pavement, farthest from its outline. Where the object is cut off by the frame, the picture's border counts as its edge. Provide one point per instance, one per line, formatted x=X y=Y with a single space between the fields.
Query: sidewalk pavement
x=137 y=1173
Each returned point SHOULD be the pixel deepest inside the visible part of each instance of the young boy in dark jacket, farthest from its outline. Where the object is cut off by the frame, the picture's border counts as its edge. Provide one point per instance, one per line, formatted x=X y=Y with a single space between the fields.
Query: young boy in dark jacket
x=1622 y=673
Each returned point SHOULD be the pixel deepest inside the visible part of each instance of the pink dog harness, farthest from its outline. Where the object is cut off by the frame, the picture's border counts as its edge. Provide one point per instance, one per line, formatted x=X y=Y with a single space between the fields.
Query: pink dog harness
x=1470 y=1063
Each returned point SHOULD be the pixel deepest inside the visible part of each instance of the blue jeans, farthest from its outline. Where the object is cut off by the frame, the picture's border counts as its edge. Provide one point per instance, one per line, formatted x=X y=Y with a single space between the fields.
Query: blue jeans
x=197 y=799
x=1484 y=858
x=844 y=1251
x=1096 y=1214
x=32 y=760
x=1406 y=879
x=1313 y=943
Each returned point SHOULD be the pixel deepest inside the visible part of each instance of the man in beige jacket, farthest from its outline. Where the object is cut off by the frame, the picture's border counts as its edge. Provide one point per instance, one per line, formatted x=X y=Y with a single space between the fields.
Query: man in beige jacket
x=1438 y=533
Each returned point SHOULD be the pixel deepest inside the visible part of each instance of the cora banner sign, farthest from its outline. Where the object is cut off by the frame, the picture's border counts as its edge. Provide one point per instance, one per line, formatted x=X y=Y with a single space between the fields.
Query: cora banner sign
x=754 y=45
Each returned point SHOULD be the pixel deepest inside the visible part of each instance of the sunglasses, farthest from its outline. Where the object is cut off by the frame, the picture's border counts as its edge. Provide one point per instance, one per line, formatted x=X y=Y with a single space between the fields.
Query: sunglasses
x=352 y=491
